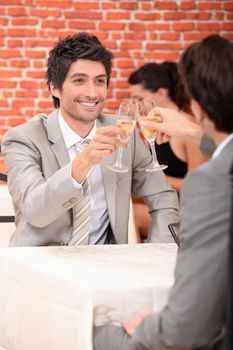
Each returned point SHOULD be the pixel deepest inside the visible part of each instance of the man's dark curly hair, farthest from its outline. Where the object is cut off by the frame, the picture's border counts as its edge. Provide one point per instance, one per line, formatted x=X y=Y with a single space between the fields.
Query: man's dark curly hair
x=70 y=49
x=207 y=71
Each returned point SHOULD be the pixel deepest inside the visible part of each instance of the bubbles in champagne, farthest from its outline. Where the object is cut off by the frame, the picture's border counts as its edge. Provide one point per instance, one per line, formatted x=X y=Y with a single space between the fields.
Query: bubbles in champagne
x=148 y=132
x=127 y=126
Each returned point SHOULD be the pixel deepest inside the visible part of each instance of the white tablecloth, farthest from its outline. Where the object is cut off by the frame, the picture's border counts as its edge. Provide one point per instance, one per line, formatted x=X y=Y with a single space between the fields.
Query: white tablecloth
x=50 y=297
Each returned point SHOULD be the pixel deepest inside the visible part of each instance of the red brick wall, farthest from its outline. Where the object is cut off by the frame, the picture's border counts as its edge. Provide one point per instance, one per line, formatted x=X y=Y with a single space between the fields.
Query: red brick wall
x=136 y=31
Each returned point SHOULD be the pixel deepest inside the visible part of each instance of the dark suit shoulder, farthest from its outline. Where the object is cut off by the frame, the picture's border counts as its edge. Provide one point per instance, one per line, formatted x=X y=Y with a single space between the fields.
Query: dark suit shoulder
x=216 y=168
x=206 y=176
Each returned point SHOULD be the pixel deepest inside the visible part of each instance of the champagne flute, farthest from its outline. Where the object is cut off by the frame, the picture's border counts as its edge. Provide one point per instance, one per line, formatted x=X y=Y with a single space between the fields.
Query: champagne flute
x=126 y=121
x=149 y=133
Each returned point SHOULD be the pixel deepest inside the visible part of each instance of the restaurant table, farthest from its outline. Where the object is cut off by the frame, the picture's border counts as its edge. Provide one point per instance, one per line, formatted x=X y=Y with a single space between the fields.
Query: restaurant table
x=50 y=297
x=7 y=225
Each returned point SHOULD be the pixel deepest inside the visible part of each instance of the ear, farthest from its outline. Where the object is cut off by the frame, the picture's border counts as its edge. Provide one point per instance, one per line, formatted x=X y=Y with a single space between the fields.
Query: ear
x=162 y=93
x=54 y=90
x=198 y=112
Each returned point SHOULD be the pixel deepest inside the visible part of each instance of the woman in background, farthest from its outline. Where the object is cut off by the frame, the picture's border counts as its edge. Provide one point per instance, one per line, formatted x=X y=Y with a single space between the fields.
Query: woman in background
x=161 y=83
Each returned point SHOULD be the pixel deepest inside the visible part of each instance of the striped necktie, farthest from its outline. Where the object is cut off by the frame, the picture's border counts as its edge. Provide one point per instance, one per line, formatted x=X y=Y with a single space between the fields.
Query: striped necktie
x=82 y=211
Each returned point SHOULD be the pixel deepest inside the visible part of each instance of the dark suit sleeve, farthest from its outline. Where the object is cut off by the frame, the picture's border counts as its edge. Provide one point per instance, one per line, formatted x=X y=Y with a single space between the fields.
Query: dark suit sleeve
x=111 y=337
x=229 y=327
x=194 y=314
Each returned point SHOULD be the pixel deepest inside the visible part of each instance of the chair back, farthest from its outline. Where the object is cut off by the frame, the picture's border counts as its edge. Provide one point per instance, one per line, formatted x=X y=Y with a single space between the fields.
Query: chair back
x=175 y=231
x=7 y=218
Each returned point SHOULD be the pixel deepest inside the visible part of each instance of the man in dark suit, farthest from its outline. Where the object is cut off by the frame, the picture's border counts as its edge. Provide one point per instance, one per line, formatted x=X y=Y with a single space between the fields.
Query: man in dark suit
x=194 y=316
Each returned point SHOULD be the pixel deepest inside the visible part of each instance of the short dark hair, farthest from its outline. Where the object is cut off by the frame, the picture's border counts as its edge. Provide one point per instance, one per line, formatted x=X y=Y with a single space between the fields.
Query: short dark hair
x=70 y=49
x=207 y=71
x=153 y=76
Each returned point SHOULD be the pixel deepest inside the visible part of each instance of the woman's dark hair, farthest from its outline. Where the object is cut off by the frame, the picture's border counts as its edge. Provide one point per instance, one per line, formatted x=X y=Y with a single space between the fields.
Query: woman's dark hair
x=206 y=68
x=70 y=49
x=153 y=76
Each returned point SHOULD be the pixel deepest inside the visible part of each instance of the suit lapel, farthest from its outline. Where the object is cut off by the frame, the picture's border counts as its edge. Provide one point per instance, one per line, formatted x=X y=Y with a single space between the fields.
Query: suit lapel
x=55 y=137
x=109 y=180
x=109 y=177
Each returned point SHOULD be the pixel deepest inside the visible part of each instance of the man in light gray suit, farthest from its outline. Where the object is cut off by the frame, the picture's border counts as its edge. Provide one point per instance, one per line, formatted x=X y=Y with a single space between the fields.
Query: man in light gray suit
x=194 y=316
x=48 y=179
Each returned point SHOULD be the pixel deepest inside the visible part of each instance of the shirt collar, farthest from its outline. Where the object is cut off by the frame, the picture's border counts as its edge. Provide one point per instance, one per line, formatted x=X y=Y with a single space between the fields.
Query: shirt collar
x=222 y=145
x=69 y=135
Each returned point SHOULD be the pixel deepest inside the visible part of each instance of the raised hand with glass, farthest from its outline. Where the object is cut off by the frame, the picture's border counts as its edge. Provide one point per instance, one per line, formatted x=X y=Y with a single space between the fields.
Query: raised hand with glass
x=150 y=134
x=126 y=120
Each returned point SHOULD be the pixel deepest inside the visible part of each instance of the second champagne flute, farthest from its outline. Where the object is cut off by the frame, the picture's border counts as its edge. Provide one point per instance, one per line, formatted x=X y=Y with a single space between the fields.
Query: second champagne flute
x=126 y=121
x=150 y=134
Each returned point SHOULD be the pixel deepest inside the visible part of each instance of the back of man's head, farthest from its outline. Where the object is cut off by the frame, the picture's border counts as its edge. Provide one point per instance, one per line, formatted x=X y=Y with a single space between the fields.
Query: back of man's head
x=207 y=71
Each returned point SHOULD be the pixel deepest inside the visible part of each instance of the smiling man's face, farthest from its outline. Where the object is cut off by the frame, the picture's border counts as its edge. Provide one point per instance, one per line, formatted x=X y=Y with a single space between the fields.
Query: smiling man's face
x=84 y=91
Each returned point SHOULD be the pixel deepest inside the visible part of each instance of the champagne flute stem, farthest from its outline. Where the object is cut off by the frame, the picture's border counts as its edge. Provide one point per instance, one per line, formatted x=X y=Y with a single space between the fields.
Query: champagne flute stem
x=119 y=155
x=154 y=158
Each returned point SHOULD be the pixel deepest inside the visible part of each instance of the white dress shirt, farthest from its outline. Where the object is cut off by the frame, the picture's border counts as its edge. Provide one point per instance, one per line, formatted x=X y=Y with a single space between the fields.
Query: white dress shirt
x=99 y=211
x=222 y=145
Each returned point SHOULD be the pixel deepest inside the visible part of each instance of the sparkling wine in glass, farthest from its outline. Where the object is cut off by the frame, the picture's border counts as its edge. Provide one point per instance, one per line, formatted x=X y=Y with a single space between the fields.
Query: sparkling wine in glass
x=126 y=121
x=150 y=134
